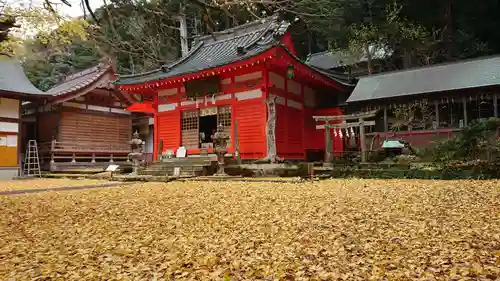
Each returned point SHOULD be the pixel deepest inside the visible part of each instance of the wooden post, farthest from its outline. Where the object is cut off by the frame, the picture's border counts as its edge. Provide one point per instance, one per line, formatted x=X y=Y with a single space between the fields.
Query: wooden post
x=436 y=109
x=464 y=103
x=362 y=139
x=495 y=105
x=328 y=142
x=310 y=170
x=236 y=143
x=52 y=148
x=386 y=122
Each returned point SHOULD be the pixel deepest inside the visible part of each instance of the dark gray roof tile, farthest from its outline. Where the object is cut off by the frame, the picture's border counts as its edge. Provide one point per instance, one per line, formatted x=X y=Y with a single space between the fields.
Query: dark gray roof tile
x=329 y=60
x=81 y=79
x=217 y=50
x=475 y=73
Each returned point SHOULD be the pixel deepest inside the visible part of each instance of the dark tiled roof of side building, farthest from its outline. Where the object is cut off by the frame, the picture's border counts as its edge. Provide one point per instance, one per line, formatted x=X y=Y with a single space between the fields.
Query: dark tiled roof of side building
x=475 y=73
x=218 y=49
x=13 y=79
x=82 y=79
x=329 y=60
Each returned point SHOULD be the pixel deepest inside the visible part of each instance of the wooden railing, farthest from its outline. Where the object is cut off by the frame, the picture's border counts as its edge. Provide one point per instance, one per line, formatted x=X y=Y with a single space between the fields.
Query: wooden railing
x=56 y=146
x=86 y=152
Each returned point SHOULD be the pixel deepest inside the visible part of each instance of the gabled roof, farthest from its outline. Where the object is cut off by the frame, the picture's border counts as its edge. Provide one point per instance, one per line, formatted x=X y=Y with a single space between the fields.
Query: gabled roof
x=219 y=49
x=14 y=81
x=329 y=60
x=468 y=74
x=83 y=79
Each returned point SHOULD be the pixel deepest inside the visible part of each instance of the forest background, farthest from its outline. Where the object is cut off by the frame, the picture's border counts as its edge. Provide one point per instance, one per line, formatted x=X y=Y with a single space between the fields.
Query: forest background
x=141 y=35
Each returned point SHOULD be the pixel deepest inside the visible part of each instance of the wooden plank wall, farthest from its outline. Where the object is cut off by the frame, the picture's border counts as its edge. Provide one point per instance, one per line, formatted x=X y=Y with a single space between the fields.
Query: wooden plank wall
x=251 y=116
x=48 y=126
x=95 y=127
x=169 y=129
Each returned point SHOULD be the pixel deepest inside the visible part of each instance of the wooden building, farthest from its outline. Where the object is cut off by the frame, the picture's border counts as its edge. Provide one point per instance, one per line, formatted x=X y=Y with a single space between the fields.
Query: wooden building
x=424 y=104
x=83 y=123
x=248 y=79
x=14 y=88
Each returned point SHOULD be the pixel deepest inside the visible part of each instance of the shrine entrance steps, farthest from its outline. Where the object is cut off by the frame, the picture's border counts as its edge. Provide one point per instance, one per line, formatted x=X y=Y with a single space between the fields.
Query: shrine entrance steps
x=187 y=167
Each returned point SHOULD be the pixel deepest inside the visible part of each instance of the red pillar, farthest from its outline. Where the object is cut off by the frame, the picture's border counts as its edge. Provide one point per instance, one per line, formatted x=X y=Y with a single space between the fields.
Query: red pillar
x=155 y=128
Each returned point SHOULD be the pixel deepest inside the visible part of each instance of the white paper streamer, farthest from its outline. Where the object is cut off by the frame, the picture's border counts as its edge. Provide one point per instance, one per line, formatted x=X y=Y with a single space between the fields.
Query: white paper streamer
x=213 y=99
x=352 y=132
x=340 y=133
x=334 y=132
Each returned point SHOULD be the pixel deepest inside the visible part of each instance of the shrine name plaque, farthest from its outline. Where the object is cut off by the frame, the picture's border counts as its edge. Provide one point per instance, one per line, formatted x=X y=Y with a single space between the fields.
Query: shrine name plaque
x=208 y=111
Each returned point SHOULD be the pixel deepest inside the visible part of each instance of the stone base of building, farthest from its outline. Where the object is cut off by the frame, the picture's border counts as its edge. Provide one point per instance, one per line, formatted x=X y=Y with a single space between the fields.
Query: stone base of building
x=8 y=173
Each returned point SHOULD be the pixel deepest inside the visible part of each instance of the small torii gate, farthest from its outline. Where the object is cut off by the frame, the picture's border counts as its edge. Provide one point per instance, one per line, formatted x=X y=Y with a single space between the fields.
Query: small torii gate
x=360 y=122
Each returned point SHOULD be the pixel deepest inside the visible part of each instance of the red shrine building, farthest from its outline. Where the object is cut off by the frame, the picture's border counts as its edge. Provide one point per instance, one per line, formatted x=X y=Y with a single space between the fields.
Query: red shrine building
x=247 y=79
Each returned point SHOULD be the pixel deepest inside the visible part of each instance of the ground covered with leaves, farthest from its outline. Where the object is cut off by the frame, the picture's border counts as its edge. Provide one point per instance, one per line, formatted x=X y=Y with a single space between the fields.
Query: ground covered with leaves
x=45 y=183
x=330 y=230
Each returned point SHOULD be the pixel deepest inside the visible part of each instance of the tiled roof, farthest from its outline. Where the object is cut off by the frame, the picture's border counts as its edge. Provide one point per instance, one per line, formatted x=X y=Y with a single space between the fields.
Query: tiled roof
x=14 y=80
x=218 y=49
x=329 y=60
x=82 y=79
x=475 y=73
x=339 y=77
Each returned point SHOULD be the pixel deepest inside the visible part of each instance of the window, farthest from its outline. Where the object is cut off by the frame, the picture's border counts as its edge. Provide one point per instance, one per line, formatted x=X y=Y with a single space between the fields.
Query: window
x=189 y=128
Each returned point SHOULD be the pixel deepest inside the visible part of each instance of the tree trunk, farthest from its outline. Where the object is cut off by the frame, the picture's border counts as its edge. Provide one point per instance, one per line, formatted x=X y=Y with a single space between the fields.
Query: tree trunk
x=448 y=28
x=366 y=48
x=406 y=59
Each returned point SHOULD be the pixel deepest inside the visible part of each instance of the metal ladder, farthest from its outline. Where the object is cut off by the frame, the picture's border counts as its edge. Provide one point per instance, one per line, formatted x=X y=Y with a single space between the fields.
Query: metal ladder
x=31 y=160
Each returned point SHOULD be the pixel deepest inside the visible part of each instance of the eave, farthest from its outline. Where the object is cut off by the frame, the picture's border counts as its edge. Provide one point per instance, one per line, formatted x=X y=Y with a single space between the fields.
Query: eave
x=270 y=55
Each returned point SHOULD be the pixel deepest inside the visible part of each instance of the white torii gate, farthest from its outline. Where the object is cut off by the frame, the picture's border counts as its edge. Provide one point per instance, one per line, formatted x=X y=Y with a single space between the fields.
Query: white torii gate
x=361 y=123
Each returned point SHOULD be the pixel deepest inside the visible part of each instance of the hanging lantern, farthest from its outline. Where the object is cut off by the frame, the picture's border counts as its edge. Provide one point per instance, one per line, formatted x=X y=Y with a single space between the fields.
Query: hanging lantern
x=290 y=71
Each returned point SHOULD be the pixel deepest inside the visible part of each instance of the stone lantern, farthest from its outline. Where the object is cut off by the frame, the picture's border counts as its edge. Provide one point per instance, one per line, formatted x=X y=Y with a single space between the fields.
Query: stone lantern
x=136 y=145
x=220 y=144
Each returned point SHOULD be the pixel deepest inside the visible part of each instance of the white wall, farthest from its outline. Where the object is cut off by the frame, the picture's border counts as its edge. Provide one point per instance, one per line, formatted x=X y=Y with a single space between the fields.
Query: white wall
x=9 y=108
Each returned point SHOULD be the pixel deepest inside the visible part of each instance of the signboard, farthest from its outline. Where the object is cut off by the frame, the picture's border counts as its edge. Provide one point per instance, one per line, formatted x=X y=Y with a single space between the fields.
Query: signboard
x=112 y=168
x=181 y=152
x=209 y=111
x=3 y=141
x=11 y=141
x=177 y=172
